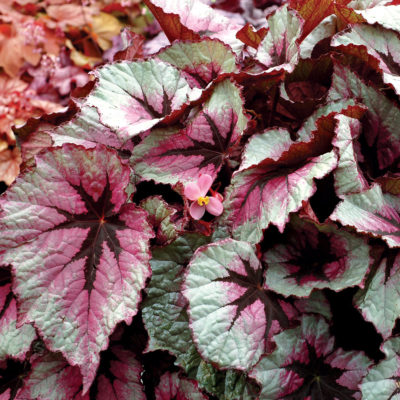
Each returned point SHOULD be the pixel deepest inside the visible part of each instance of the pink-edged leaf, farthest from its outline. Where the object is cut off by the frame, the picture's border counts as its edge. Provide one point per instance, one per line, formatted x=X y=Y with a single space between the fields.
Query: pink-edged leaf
x=123 y=379
x=278 y=49
x=76 y=247
x=383 y=380
x=381 y=44
x=173 y=155
x=233 y=314
x=371 y=212
x=348 y=176
x=14 y=341
x=132 y=97
x=275 y=177
x=52 y=378
x=173 y=386
x=191 y=19
x=200 y=62
x=162 y=217
x=316 y=256
x=306 y=365
x=378 y=302
x=381 y=120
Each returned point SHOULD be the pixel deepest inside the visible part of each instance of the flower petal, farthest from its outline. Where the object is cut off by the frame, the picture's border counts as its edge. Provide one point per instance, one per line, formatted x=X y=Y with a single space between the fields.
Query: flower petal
x=192 y=191
x=205 y=181
x=214 y=206
x=196 y=211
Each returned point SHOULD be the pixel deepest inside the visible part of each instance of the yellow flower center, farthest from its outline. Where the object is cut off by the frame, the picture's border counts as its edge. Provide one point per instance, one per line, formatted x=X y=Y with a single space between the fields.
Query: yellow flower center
x=203 y=201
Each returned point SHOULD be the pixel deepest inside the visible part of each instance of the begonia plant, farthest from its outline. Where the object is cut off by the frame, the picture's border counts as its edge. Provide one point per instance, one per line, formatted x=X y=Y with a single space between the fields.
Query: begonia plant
x=191 y=225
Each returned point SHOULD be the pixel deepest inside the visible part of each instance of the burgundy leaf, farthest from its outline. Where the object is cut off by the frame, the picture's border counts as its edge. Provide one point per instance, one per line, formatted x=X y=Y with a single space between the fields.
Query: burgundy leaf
x=79 y=253
x=316 y=256
x=306 y=365
x=123 y=379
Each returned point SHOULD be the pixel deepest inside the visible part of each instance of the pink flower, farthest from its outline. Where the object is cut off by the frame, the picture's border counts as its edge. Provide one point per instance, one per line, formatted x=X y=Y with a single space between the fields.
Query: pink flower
x=197 y=192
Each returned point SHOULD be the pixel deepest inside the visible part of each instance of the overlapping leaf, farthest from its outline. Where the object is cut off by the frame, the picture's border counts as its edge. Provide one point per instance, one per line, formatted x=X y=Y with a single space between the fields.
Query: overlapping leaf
x=233 y=314
x=132 y=97
x=181 y=155
x=122 y=381
x=382 y=118
x=167 y=322
x=79 y=253
x=191 y=19
x=173 y=386
x=161 y=218
x=378 y=302
x=381 y=44
x=316 y=256
x=51 y=378
x=278 y=49
x=371 y=212
x=348 y=176
x=275 y=177
x=14 y=341
x=200 y=62
x=383 y=380
x=306 y=365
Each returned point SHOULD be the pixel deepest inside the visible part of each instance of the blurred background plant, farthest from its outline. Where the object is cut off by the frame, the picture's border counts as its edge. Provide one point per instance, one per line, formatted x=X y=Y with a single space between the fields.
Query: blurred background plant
x=47 y=49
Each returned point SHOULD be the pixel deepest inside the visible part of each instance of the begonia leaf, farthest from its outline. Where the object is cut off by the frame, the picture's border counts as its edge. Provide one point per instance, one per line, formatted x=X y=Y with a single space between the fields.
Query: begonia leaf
x=383 y=380
x=14 y=341
x=275 y=177
x=384 y=15
x=160 y=216
x=191 y=19
x=200 y=62
x=382 y=116
x=314 y=256
x=381 y=44
x=166 y=320
x=122 y=381
x=371 y=212
x=173 y=386
x=180 y=155
x=378 y=301
x=76 y=247
x=233 y=314
x=390 y=183
x=85 y=129
x=163 y=310
x=132 y=97
x=348 y=176
x=51 y=378
x=251 y=37
x=306 y=365
x=278 y=49
x=325 y=29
